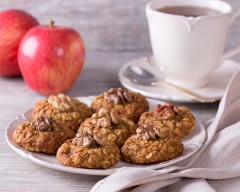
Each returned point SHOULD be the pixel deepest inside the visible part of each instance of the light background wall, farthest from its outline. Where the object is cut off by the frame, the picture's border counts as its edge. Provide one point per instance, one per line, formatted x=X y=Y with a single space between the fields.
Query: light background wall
x=105 y=25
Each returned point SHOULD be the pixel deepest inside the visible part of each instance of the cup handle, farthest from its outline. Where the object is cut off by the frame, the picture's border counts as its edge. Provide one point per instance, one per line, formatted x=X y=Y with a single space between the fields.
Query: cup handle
x=230 y=53
x=235 y=15
x=236 y=50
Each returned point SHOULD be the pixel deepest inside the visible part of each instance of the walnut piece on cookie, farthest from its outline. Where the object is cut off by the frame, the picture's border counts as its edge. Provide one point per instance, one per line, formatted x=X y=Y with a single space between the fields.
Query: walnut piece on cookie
x=68 y=112
x=42 y=134
x=85 y=152
x=108 y=126
x=123 y=101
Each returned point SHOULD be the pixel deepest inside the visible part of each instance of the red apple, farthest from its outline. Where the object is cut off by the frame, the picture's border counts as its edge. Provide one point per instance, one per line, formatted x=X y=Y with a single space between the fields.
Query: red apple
x=51 y=58
x=13 y=26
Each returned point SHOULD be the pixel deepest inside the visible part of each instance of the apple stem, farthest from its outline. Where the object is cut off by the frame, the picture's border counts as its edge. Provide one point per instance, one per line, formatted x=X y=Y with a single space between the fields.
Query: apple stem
x=51 y=24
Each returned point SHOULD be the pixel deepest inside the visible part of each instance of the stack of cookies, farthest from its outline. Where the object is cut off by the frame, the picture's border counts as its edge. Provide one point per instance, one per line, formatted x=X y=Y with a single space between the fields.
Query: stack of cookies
x=159 y=135
x=117 y=124
x=55 y=120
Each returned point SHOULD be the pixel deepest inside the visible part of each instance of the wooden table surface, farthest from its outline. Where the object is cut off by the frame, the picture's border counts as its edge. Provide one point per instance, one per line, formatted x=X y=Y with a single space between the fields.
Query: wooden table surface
x=99 y=74
x=115 y=32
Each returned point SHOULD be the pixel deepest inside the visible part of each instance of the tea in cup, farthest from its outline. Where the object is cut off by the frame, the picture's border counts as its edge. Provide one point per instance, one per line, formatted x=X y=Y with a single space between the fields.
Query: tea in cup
x=188 y=38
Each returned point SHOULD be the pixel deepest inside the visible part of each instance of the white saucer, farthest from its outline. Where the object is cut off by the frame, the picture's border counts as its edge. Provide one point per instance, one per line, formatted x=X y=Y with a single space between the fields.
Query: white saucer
x=216 y=87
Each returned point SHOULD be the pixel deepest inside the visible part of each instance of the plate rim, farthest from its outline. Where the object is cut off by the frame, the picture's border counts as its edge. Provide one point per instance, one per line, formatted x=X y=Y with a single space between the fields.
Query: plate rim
x=33 y=156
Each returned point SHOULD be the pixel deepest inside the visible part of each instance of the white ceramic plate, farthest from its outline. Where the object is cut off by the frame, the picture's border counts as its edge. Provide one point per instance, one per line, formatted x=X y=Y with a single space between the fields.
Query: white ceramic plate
x=191 y=144
x=216 y=87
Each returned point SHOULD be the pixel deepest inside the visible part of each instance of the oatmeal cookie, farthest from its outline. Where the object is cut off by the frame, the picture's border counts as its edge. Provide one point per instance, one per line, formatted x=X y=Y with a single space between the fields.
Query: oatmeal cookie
x=169 y=120
x=84 y=151
x=125 y=102
x=147 y=147
x=108 y=126
x=68 y=112
x=42 y=135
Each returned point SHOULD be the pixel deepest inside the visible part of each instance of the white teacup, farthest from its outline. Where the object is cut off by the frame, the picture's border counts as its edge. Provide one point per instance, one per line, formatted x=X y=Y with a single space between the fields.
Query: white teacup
x=189 y=48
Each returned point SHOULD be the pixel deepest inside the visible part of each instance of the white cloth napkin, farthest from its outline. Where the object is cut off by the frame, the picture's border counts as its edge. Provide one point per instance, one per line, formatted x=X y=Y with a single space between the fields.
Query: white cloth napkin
x=215 y=167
